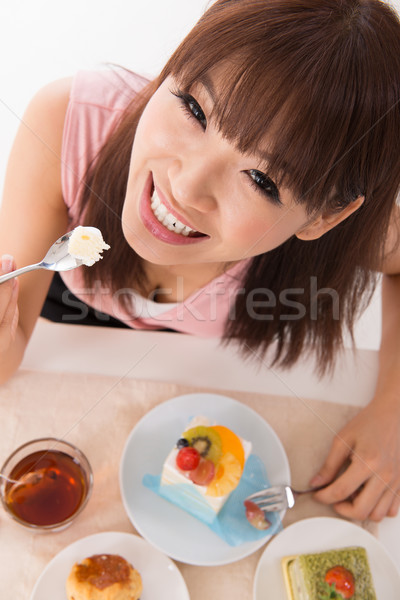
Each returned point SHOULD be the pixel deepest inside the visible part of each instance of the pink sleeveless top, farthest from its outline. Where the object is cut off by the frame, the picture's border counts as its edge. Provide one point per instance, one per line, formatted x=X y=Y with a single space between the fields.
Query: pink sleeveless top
x=97 y=101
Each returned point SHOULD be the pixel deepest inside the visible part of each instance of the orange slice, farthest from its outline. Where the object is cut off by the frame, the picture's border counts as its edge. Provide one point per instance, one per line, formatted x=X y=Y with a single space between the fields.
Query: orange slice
x=230 y=443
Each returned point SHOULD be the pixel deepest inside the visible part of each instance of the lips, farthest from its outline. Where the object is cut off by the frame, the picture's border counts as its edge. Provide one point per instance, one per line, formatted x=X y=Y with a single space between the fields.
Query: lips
x=158 y=218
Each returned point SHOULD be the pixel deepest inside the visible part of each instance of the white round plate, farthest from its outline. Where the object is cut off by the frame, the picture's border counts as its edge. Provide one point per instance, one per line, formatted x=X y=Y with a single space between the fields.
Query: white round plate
x=158 y=572
x=168 y=527
x=318 y=535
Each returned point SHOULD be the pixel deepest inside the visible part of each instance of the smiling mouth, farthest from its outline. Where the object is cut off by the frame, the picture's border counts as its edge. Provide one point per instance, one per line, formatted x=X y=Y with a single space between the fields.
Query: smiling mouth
x=169 y=220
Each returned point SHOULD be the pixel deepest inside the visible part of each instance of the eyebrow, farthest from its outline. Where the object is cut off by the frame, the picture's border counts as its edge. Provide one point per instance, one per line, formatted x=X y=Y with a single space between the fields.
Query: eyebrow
x=206 y=82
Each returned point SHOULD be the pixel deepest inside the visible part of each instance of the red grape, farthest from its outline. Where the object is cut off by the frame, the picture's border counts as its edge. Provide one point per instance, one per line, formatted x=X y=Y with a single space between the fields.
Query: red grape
x=204 y=472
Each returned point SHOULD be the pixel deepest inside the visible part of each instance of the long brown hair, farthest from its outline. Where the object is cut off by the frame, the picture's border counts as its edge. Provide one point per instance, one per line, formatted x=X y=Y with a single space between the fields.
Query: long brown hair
x=324 y=77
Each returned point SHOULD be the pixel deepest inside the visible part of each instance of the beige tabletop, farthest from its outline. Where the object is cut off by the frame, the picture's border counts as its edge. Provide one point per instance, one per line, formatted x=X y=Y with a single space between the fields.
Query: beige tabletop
x=97 y=413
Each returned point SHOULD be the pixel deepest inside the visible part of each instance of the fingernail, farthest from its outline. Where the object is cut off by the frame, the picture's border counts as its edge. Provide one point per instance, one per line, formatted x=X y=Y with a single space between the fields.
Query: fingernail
x=315 y=481
x=7 y=263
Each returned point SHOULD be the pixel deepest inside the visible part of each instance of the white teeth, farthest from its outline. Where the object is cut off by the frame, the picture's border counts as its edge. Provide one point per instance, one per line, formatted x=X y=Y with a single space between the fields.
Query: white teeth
x=166 y=218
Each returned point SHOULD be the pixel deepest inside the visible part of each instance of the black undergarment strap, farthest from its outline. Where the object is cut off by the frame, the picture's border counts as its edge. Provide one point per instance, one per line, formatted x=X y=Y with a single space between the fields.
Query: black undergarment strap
x=62 y=306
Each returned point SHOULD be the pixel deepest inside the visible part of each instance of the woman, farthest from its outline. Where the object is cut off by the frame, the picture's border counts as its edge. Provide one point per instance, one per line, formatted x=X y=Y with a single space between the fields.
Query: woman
x=248 y=192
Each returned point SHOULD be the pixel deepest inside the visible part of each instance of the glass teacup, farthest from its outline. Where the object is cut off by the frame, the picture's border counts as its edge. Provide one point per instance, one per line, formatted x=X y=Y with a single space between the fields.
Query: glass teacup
x=52 y=484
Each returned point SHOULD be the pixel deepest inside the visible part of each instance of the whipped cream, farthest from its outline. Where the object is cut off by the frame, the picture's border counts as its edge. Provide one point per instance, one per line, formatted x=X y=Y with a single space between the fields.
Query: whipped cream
x=87 y=244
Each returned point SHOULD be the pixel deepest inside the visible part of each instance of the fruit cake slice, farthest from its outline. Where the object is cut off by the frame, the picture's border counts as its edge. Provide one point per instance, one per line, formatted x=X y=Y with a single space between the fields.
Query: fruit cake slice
x=204 y=467
x=336 y=574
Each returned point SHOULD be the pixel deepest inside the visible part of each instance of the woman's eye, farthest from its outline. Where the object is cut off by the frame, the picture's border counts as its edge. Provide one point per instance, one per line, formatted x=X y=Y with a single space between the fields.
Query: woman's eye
x=264 y=184
x=192 y=107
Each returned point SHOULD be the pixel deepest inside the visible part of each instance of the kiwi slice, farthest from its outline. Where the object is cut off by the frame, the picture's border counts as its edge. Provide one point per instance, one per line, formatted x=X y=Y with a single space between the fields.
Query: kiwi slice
x=206 y=440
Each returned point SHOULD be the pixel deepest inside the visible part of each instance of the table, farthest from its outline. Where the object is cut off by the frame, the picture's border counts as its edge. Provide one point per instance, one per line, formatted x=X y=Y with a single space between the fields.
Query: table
x=187 y=361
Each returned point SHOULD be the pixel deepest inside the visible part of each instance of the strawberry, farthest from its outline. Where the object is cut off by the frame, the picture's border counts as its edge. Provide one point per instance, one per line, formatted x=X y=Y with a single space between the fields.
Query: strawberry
x=255 y=515
x=339 y=584
x=187 y=459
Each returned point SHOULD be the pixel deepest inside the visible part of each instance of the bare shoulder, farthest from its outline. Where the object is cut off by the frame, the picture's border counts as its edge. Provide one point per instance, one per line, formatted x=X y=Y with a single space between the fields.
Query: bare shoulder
x=59 y=88
x=391 y=264
x=53 y=96
x=35 y=156
x=43 y=120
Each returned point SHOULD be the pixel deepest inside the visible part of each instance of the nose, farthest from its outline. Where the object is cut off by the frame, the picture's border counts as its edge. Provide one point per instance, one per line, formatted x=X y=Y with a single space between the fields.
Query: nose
x=193 y=183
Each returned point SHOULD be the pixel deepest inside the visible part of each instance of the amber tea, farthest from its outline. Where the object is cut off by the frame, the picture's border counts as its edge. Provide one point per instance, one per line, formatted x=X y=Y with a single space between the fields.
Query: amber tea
x=51 y=488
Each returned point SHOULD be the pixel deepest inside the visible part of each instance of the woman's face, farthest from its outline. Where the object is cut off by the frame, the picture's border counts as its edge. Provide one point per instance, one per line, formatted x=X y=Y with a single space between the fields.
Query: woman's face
x=192 y=196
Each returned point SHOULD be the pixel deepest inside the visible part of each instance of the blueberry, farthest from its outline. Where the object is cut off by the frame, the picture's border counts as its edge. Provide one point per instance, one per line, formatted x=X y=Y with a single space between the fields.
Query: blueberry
x=182 y=443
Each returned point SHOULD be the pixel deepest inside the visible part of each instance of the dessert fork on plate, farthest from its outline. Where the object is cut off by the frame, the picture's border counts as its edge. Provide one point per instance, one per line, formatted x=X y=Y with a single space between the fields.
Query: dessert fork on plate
x=279 y=497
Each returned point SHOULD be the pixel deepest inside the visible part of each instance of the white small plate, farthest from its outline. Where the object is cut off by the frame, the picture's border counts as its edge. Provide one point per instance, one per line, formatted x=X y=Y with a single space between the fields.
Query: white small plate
x=169 y=528
x=318 y=535
x=158 y=572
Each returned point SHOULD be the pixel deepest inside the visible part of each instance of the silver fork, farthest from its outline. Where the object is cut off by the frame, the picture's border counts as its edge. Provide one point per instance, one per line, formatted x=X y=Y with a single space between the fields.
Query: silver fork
x=279 y=497
x=57 y=258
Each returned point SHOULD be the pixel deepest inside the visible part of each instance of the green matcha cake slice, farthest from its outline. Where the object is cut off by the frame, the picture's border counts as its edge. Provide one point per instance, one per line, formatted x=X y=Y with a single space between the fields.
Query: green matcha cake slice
x=336 y=574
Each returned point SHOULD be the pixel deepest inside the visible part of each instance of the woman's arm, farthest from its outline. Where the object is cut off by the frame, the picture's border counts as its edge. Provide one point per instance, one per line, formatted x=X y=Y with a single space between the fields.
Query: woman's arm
x=32 y=216
x=371 y=441
x=389 y=355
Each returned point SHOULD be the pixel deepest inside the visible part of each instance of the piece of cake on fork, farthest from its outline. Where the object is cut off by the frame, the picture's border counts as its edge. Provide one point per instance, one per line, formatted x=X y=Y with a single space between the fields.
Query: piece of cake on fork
x=87 y=244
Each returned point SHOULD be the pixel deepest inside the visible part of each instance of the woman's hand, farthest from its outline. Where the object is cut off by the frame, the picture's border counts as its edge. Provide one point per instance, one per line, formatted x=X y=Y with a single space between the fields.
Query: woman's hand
x=8 y=306
x=368 y=449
